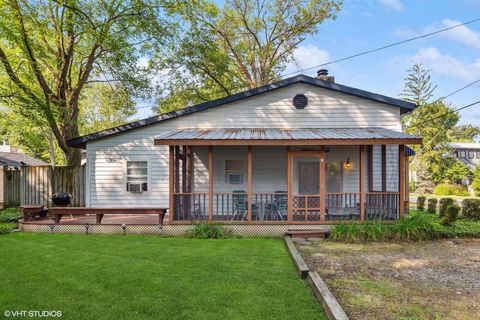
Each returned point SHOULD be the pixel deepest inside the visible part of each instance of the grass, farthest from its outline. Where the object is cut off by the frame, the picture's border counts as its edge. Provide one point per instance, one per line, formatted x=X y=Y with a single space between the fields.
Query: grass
x=138 y=277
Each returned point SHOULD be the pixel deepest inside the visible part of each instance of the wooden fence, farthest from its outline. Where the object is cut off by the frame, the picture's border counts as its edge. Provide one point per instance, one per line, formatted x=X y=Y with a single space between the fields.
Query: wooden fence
x=36 y=185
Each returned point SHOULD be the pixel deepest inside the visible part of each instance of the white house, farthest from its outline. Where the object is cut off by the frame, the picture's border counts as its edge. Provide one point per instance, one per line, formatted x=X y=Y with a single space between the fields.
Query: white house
x=302 y=150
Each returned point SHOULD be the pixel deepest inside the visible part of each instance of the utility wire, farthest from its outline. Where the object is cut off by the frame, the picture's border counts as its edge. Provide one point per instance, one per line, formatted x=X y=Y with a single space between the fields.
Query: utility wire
x=372 y=51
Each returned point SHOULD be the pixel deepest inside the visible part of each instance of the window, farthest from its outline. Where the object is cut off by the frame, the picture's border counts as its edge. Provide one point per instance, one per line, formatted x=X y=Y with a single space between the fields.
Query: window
x=470 y=154
x=478 y=154
x=234 y=171
x=462 y=153
x=137 y=176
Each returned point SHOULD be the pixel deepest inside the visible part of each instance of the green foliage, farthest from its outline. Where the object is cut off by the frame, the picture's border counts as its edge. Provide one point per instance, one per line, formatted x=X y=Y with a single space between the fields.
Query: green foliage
x=476 y=181
x=6 y=228
x=445 y=189
x=432 y=206
x=444 y=203
x=52 y=50
x=416 y=226
x=451 y=214
x=464 y=133
x=412 y=186
x=452 y=170
x=209 y=231
x=10 y=215
x=241 y=45
x=421 y=203
x=471 y=209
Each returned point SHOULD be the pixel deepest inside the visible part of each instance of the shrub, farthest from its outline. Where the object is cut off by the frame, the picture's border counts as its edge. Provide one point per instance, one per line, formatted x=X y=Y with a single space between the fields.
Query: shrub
x=209 y=231
x=432 y=206
x=9 y=216
x=451 y=215
x=5 y=228
x=471 y=209
x=421 y=203
x=446 y=189
x=417 y=226
x=444 y=203
x=412 y=186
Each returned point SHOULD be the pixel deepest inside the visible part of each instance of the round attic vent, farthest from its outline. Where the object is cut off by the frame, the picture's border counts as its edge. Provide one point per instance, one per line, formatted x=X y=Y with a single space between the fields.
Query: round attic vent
x=300 y=101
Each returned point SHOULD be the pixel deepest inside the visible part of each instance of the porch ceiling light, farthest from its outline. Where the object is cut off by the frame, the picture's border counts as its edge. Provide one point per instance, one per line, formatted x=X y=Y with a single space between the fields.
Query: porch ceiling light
x=348 y=165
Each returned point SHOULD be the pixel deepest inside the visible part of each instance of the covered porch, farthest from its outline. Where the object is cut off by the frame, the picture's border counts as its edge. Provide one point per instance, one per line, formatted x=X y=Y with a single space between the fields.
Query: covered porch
x=258 y=176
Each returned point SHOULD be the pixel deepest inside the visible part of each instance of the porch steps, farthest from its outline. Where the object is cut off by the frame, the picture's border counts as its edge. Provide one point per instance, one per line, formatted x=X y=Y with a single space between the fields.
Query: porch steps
x=307 y=234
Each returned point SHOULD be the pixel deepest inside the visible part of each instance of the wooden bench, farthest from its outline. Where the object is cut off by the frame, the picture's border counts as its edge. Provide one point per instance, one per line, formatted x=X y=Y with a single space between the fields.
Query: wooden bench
x=58 y=212
x=30 y=211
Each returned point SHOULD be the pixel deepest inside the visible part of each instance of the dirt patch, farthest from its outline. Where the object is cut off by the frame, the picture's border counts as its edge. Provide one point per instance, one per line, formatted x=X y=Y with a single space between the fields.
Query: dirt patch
x=422 y=280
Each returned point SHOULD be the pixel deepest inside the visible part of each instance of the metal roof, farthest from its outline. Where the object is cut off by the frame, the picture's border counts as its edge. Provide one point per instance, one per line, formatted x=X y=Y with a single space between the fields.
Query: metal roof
x=464 y=145
x=284 y=134
x=404 y=106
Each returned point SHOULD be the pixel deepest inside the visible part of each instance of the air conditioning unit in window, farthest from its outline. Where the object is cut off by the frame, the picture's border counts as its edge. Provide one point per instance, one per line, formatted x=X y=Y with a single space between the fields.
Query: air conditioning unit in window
x=135 y=187
x=234 y=178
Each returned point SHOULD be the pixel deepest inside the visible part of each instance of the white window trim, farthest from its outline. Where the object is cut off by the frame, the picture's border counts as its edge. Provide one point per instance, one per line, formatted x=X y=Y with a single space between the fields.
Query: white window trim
x=149 y=173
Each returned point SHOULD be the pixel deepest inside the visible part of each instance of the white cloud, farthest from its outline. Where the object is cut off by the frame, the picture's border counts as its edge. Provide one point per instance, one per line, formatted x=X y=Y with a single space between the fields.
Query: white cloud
x=306 y=57
x=461 y=34
x=394 y=5
x=442 y=64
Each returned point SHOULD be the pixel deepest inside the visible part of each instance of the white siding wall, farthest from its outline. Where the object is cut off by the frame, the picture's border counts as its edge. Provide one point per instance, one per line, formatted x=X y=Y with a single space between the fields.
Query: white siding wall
x=106 y=158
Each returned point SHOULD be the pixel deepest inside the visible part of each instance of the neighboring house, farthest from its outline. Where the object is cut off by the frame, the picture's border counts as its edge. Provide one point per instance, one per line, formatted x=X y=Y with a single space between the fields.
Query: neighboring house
x=299 y=151
x=11 y=159
x=468 y=153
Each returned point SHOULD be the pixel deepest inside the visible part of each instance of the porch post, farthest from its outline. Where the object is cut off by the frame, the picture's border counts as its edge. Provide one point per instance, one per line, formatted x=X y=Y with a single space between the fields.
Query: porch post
x=362 y=182
x=171 y=184
x=322 y=184
x=210 y=184
x=289 y=185
x=249 y=183
x=401 y=179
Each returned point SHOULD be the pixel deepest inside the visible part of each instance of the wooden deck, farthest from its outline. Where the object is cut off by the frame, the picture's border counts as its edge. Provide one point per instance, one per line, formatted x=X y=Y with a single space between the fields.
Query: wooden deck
x=107 y=219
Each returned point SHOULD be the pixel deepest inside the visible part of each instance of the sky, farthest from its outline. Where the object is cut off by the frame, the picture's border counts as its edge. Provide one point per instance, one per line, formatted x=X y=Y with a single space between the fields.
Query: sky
x=453 y=56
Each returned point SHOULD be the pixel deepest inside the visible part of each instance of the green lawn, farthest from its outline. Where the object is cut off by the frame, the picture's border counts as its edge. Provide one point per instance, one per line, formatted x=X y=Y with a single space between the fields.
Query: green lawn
x=135 y=277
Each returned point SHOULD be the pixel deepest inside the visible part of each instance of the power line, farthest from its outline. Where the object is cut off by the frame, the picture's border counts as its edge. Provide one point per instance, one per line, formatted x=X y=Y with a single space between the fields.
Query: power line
x=461 y=89
x=443 y=115
x=387 y=46
x=371 y=51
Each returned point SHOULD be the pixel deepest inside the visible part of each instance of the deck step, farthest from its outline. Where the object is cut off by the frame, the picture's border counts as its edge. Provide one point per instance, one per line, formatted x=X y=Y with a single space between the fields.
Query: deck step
x=306 y=234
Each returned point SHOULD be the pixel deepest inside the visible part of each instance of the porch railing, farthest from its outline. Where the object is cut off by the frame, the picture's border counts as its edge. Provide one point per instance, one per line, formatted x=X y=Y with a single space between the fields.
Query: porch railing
x=273 y=206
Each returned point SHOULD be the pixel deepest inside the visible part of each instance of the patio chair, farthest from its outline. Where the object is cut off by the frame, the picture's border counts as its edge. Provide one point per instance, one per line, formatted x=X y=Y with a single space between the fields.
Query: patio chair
x=241 y=205
x=280 y=204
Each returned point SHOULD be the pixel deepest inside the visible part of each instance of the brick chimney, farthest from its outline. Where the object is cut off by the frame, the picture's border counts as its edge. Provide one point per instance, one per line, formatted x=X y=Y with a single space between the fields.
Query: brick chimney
x=322 y=74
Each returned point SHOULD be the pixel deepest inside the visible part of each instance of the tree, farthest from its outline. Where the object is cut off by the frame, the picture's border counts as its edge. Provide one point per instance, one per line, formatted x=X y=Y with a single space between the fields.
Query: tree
x=243 y=45
x=434 y=122
x=104 y=106
x=476 y=181
x=464 y=133
x=50 y=50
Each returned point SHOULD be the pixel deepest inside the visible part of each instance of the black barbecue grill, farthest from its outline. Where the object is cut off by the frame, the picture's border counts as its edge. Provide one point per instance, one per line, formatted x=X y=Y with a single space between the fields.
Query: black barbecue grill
x=61 y=199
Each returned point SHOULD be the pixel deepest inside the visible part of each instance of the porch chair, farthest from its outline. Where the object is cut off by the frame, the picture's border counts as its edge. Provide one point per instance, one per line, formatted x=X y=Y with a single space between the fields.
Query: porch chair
x=241 y=205
x=280 y=204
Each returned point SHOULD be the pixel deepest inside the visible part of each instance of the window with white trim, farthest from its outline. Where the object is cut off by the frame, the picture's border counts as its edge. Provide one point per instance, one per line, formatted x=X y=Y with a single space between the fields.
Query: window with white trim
x=471 y=154
x=462 y=153
x=137 y=176
x=234 y=171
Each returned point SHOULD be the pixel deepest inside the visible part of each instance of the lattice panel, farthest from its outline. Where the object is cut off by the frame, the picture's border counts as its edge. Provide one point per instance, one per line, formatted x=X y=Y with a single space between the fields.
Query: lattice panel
x=167 y=230
x=313 y=202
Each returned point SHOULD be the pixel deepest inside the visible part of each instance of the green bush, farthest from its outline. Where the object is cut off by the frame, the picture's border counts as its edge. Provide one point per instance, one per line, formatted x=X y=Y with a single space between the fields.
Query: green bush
x=416 y=226
x=451 y=214
x=471 y=209
x=444 y=203
x=209 y=231
x=5 y=228
x=421 y=203
x=412 y=186
x=432 y=205
x=10 y=215
x=446 y=189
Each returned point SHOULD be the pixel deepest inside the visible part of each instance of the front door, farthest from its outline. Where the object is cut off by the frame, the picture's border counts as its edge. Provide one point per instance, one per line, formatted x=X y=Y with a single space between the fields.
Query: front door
x=307 y=186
